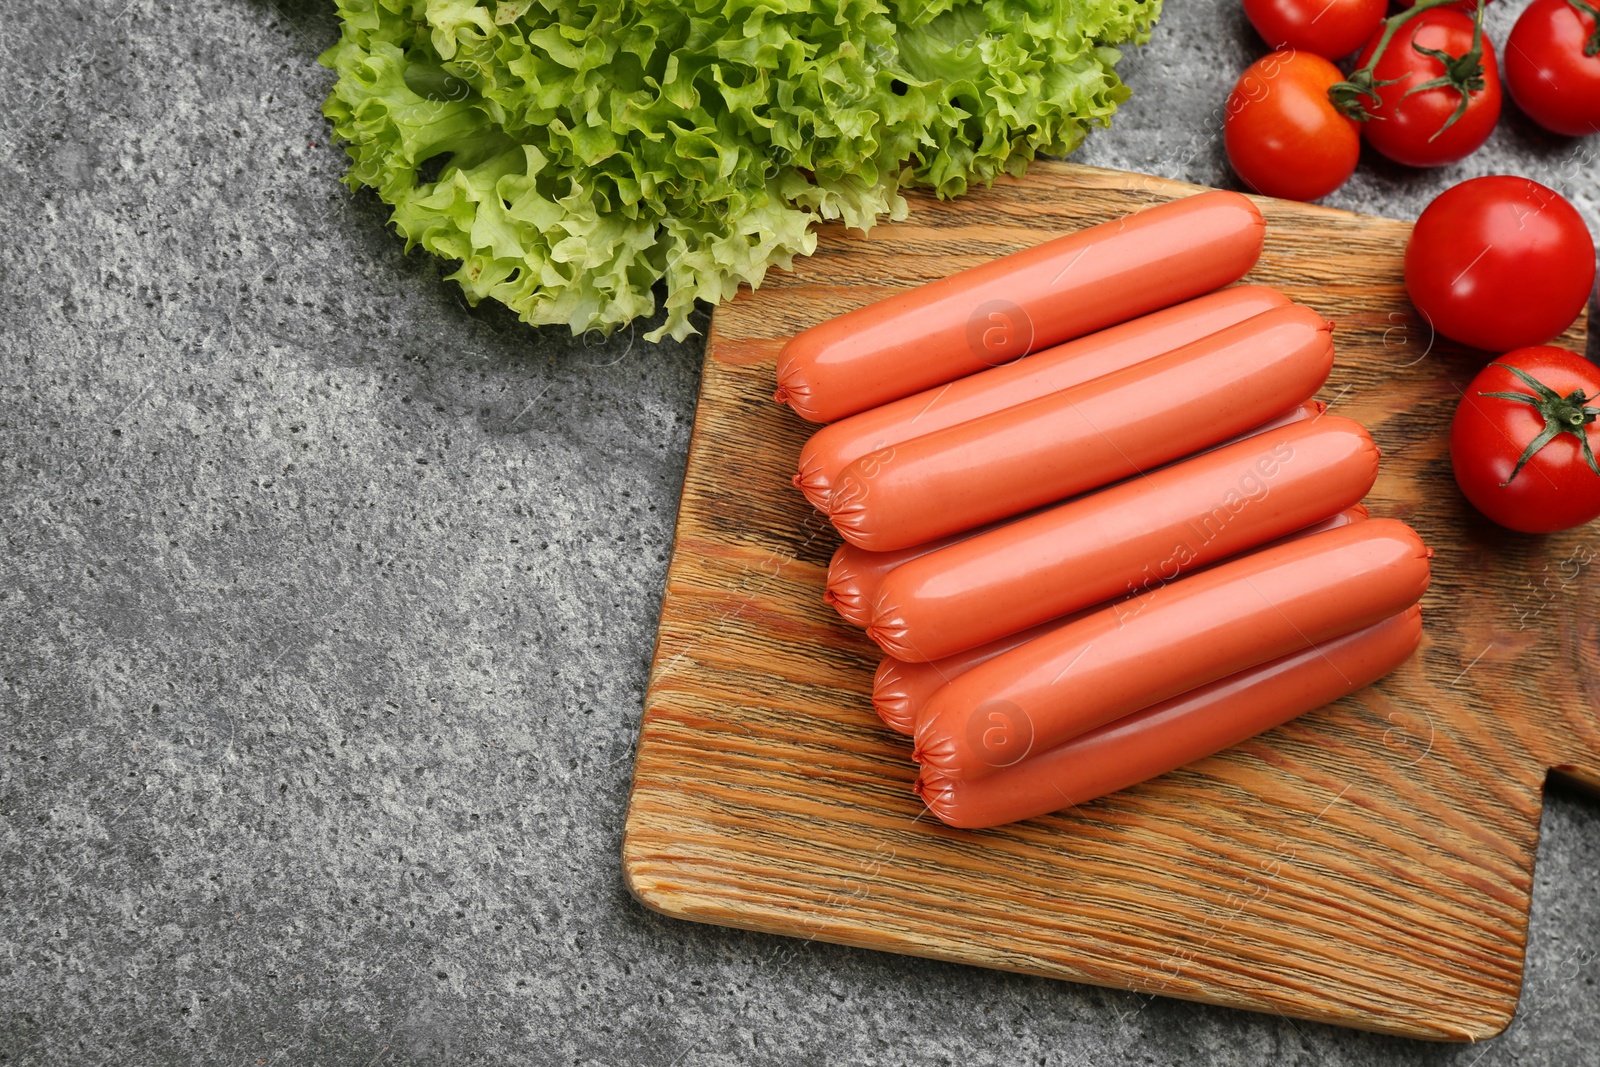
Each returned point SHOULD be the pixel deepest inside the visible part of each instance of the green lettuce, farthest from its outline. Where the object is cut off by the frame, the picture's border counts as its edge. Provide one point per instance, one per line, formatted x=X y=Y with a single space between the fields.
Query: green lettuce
x=575 y=155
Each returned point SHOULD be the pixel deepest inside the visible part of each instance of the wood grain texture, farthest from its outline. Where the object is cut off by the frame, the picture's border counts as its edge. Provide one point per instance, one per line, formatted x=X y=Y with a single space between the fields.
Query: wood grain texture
x=1368 y=864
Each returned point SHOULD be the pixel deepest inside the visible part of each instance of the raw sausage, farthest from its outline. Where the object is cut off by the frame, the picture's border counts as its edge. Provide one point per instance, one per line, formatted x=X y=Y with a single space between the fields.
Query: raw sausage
x=998 y=388
x=1311 y=409
x=1145 y=649
x=1149 y=648
x=1176 y=732
x=832 y=447
x=1134 y=536
x=1041 y=296
x=1085 y=437
x=901 y=689
x=1091 y=435
x=855 y=574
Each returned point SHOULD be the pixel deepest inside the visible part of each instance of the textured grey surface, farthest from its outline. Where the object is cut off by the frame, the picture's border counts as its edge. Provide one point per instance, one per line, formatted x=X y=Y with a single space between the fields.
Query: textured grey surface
x=327 y=602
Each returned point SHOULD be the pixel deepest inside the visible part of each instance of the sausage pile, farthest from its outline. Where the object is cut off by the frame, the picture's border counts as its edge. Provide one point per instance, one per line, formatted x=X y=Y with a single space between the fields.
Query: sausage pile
x=1139 y=545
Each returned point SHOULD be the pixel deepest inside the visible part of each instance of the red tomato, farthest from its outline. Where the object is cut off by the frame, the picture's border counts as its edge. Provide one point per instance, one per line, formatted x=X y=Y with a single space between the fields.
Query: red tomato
x=1553 y=67
x=1522 y=442
x=1417 y=129
x=1283 y=135
x=1329 y=28
x=1500 y=263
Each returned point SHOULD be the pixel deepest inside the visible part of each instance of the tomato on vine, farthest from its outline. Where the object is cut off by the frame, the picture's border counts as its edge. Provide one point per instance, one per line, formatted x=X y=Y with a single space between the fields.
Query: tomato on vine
x=1432 y=88
x=1522 y=441
x=1283 y=134
x=1553 y=65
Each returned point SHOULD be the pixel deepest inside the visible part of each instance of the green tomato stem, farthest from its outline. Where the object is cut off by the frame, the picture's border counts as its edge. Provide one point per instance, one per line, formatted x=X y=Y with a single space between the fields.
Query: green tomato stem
x=1346 y=95
x=1463 y=73
x=1562 y=414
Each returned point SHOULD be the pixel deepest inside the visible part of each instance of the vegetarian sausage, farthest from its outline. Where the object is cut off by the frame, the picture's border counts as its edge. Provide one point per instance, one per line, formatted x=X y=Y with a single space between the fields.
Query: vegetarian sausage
x=998 y=388
x=855 y=574
x=1149 y=648
x=1175 y=732
x=901 y=689
x=1081 y=438
x=1135 y=536
x=1041 y=296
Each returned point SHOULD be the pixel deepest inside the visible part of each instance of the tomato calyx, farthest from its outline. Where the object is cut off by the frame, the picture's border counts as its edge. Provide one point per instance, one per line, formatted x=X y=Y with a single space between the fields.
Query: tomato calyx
x=1346 y=96
x=1591 y=48
x=1463 y=73
x=1562 y=414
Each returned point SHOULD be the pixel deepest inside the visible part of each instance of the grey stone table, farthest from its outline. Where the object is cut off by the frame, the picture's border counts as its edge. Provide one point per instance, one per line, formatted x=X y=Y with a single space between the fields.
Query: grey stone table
x=327 y=604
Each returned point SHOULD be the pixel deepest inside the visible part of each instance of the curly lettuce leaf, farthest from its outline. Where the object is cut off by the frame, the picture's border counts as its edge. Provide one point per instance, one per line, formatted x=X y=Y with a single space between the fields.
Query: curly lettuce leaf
x=574 y=156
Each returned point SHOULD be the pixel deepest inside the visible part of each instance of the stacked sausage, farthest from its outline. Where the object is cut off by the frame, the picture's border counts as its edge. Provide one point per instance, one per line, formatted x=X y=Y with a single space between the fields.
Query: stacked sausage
x=1139 y=545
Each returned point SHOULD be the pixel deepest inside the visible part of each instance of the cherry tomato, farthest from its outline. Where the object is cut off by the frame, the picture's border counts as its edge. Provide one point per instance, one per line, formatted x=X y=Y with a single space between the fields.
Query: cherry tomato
x=1417 y=129
x=1522 y=442
x=1283 y=135
x=1328 y=28
x=1500 y=263
x=1553 y=66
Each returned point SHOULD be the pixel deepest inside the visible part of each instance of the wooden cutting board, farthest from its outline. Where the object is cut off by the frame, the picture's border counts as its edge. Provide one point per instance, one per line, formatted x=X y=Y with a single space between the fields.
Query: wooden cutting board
x=1368 y=864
